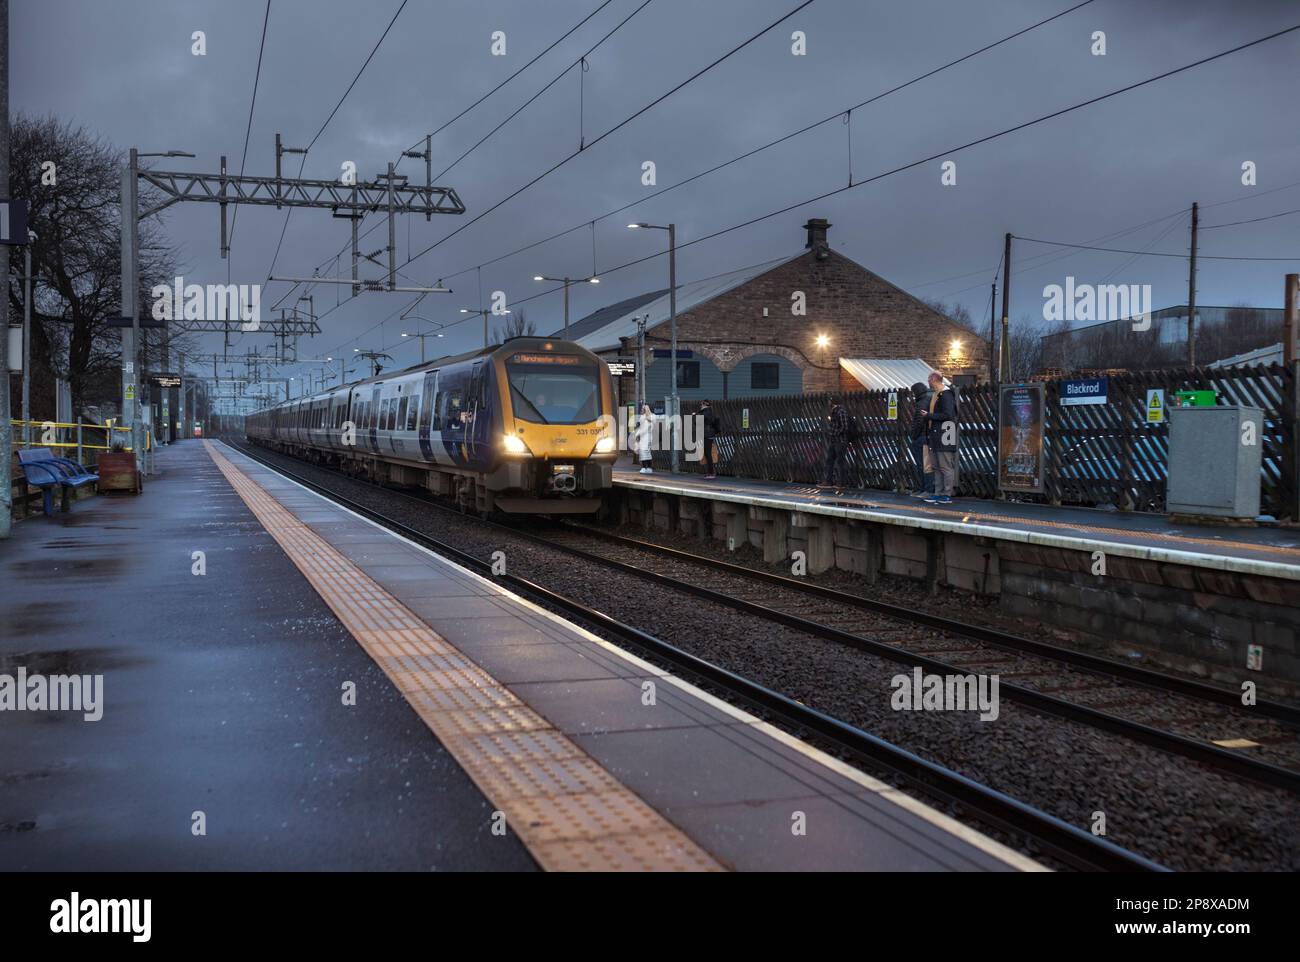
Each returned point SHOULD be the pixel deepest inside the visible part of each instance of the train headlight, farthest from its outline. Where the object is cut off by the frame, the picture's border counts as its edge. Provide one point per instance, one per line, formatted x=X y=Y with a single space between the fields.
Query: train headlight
x=514 y=445
x=606 y=446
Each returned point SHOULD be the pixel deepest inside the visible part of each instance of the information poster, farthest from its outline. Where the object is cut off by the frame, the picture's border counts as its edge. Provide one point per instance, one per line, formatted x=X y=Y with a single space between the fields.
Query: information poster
x=1020 y=438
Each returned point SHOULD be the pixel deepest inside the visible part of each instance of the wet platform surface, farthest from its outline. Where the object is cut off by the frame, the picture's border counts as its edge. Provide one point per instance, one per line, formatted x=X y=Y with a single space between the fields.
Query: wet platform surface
x=1264 y=549
x=222 y=695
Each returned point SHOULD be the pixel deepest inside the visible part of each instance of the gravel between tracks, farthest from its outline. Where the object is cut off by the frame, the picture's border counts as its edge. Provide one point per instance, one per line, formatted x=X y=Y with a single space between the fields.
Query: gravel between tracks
x=1169 y=809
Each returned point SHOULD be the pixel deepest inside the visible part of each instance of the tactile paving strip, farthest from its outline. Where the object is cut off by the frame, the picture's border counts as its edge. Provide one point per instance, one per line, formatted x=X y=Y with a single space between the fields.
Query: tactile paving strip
x=570 y=813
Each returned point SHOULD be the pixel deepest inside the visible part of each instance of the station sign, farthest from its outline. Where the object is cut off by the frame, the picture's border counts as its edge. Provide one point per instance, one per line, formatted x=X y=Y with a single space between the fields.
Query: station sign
x=1020 y=438
x=622 y=366
x=146 y=320
x=668 y=352
x=1088 y=390
x=13 y=221
x=166 y=380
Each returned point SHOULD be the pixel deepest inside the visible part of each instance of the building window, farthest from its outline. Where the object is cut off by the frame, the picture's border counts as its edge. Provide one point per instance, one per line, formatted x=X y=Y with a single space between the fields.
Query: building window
x=688 y=374
x=764 y=376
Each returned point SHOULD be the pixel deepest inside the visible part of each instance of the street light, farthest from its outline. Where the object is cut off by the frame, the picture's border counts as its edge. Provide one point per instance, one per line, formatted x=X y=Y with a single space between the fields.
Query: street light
x=485 y=313
x=429 y=320
x=566 y=281
x=673 y=402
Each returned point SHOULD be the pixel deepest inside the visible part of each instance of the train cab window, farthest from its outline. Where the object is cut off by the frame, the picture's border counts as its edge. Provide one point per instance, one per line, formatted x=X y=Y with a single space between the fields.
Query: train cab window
x=401 y=413
x=553 y=388
x=435 y=419
x=413 y=415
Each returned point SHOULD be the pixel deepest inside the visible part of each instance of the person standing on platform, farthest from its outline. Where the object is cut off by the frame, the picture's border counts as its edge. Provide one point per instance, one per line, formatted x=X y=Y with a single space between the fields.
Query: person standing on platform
x=837 y=442
x=645 y=428
x=710 y=433
x=941 y=438
x=923 y=472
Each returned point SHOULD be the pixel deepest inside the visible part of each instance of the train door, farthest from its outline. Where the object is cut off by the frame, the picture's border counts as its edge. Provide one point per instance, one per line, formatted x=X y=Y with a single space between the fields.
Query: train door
x=428 y=391
x=373 y=417
x=479 y=417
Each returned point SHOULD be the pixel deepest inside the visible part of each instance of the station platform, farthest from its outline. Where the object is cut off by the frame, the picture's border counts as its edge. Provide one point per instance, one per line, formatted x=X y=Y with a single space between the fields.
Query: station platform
x=1270 y=551
x=313 y=691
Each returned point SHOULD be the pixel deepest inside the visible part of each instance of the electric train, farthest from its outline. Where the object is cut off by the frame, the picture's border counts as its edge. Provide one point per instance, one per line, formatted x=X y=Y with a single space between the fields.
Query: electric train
x=522 y=427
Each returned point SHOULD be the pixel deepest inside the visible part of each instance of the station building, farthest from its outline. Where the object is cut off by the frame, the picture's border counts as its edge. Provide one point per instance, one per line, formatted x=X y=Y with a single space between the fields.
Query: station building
x=739 y=335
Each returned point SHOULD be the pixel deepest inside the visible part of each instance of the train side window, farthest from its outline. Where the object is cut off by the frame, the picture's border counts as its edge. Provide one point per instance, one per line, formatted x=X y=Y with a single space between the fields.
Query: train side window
x=436 y=417
x=401 y=413
x=455 y=407
x=413 y=415
x=392 y=415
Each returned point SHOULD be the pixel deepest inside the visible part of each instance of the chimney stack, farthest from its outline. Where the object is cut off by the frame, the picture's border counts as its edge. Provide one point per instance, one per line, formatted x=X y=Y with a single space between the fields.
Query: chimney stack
x=816 y=228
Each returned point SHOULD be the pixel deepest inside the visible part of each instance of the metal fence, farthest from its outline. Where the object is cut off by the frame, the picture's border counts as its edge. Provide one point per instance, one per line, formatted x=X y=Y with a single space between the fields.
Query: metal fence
x=1096 y=454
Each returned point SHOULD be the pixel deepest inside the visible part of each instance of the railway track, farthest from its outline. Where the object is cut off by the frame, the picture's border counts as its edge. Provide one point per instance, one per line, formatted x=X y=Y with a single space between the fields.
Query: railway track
x=1069 y=684
x=1049 y=834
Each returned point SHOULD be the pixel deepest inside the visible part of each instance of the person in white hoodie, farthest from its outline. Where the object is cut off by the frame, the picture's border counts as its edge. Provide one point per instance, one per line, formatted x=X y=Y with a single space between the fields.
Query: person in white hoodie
x=645 y=425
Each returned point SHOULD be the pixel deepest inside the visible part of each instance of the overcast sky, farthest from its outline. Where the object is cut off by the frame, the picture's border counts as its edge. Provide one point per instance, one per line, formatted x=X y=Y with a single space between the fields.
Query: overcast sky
x=125 y=70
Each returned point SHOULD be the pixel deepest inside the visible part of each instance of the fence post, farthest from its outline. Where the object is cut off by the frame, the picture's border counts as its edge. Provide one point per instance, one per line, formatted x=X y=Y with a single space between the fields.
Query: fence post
x=1127 y=476
x=1290 y=466
x=79 y=453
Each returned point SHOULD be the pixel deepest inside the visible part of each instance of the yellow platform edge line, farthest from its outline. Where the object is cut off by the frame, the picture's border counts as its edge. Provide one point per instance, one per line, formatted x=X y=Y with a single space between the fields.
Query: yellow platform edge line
x=568 y=811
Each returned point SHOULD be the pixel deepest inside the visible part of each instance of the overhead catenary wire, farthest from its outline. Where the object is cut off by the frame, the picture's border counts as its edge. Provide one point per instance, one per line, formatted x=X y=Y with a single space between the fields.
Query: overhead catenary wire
x=965 y=146
x=568 y=33
x=772 y=143
x=248 y=131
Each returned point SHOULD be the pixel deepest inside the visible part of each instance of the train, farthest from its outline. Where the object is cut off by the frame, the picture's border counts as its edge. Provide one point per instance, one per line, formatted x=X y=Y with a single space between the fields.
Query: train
x=524 y=427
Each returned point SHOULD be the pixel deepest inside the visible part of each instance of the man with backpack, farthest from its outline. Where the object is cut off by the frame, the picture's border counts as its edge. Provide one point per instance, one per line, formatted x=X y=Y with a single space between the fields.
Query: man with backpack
x=839 y=432
x=923 y=471
x=711 y=424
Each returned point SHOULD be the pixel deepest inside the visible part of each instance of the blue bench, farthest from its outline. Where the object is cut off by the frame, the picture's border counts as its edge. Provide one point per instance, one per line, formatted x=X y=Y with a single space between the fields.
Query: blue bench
x=43 y=470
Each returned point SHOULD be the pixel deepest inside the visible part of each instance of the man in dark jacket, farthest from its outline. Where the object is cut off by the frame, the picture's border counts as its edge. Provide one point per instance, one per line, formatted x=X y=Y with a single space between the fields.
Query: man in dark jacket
x=837 y=441
x=941 y=437
x=710 y=433
x=923 y=473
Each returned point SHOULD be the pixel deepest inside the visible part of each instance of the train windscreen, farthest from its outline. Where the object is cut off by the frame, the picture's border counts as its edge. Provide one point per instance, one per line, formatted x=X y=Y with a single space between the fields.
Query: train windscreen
x=554 y=388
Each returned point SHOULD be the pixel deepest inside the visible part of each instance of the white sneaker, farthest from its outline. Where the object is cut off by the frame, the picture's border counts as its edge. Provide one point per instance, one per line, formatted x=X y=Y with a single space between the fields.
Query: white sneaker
x=647 y=470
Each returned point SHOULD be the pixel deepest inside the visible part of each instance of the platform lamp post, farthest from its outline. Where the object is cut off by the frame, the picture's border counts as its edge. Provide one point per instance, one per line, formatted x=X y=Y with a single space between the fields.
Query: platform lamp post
x=428 y=320
x=566 y=281
x=27 y=338
x=674 y=418
x=485 y=314
x=131 y=355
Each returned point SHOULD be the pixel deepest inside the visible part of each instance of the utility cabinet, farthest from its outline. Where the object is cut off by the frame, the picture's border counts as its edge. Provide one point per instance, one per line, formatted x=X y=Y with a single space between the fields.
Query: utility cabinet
x=1215 y=454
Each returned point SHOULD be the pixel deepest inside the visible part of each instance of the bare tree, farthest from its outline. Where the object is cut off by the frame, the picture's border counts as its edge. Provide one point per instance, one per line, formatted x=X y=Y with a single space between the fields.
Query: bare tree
x=959 y=314
x=516 y=324
x=76 y=259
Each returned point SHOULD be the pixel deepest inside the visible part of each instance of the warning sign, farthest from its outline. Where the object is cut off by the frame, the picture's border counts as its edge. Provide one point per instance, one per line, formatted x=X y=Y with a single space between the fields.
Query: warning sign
x=1155 y=406
x=744 y=418
x=893 y=406
x=130 y=392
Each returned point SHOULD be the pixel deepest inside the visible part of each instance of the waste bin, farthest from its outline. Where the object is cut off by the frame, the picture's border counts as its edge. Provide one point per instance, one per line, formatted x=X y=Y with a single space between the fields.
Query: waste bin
x=1214 y=461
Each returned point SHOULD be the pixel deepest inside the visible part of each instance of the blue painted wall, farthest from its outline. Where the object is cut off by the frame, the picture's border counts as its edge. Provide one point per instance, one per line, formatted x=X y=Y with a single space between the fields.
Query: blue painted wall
x=740 y=379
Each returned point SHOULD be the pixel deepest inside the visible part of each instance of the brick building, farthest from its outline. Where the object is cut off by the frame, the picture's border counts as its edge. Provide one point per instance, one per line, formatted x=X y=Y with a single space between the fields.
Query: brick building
x=739 y=334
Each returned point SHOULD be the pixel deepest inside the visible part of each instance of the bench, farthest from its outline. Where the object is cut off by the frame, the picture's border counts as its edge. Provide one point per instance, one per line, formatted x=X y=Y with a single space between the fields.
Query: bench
x=43 y=470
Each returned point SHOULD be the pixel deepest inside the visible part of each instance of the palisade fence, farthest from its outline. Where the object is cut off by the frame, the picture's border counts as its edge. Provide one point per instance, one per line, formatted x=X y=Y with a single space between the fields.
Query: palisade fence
x=1094 y=454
